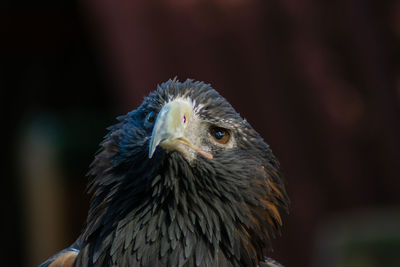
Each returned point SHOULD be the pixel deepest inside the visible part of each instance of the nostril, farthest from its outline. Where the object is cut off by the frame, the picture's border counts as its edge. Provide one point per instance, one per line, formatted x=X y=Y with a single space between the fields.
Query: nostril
x=184 y=118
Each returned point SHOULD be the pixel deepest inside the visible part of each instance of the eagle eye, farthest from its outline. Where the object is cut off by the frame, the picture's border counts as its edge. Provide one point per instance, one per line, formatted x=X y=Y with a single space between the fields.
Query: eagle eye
x=220 y=135
x=151 y=117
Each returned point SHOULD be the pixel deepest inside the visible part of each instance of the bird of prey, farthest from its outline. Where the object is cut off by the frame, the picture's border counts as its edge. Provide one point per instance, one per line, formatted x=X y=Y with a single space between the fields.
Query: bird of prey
x=183 y=180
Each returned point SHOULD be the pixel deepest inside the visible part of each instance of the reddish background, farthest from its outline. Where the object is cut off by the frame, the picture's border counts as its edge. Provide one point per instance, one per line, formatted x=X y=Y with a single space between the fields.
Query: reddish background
x=319 y=80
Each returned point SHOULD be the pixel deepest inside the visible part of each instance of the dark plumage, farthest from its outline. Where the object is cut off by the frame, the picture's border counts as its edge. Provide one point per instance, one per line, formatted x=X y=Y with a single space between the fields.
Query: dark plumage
x=181 y=181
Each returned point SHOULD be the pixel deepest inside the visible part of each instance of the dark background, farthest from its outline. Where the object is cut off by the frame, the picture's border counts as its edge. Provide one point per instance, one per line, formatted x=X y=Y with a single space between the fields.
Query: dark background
x=319 y=80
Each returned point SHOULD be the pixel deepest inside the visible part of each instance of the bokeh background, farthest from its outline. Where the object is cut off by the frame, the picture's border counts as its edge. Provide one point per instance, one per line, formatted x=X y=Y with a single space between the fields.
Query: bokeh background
x=320 y=81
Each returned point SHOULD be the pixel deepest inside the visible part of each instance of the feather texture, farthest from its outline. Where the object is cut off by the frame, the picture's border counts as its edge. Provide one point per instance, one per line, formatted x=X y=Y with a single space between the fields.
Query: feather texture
x=169 y=210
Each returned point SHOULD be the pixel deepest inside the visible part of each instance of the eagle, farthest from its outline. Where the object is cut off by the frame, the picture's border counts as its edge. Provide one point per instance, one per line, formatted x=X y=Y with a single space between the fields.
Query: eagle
x=183 y=180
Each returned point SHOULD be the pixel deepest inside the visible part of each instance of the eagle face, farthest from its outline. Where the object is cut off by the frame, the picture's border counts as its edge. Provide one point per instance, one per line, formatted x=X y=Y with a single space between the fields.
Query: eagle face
x=197 y=127
x=182 y=181
x=195 y=121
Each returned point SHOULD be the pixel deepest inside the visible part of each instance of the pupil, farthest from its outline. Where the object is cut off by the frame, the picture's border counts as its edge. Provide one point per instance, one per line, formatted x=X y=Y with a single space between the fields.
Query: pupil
x=219 y=135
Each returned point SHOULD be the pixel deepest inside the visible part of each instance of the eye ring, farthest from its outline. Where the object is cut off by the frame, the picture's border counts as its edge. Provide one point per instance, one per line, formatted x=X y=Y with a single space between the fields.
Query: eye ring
x=220 y=135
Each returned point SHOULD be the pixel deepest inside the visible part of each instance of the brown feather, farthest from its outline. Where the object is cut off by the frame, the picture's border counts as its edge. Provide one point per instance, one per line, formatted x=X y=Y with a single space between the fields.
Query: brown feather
x=64 y=260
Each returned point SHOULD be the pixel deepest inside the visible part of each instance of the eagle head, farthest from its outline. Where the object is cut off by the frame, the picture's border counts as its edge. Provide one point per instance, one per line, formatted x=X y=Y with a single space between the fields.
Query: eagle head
x=183 y=180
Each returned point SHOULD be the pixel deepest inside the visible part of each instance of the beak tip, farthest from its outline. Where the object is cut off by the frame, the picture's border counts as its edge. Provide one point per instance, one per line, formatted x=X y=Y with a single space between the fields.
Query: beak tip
x=153 y=146
x=151 y=153
x=152 y=149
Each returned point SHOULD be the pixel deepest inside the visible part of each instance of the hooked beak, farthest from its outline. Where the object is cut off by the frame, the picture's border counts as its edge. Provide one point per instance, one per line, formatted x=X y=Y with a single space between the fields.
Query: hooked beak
x=169 y=129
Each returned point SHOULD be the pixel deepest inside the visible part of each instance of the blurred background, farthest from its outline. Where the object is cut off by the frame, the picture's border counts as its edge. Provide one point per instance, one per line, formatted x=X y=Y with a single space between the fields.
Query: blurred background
x=319 y=80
